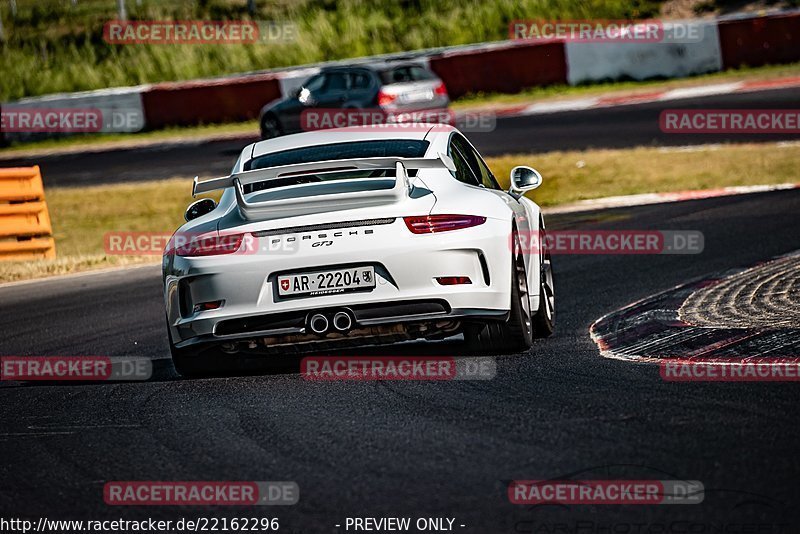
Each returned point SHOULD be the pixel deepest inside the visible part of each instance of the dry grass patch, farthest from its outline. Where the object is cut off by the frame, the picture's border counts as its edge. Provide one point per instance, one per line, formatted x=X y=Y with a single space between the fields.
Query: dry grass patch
x=82 y=216
x=578 y=175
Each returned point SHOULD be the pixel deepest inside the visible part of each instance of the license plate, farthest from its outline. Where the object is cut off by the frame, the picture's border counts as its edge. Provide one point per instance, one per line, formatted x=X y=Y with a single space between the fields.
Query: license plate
x=417 y=96
x=326 y=282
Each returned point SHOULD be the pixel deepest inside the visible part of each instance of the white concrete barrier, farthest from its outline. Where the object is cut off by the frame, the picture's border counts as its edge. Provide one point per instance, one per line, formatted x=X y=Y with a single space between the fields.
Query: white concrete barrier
x=119 y=109
x=673 y=58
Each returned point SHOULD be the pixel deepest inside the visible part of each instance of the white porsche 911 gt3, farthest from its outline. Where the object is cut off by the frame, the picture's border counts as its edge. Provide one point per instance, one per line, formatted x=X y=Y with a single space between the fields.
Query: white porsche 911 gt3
x=350 y=237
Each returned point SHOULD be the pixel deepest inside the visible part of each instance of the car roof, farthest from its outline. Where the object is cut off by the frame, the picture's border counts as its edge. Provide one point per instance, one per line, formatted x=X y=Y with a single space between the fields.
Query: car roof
x=389 y=65
x=345 y=68
x=347 y=135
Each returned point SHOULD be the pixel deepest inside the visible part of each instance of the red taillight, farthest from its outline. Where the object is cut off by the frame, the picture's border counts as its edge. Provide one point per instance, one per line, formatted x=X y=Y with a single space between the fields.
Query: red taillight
x=453 y=280
x=207 y=306
x=441 y=90
x=210 y=245
x=385 y=98
x=429 y=224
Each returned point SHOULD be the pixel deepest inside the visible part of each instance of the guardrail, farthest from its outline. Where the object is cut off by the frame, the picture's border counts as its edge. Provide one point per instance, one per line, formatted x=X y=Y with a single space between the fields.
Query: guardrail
x=25 y=230
x=502 y=66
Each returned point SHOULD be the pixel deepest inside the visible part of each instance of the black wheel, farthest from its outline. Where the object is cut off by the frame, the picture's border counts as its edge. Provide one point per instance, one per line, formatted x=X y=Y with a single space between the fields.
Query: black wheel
x=192 y=364
x=270 y=127
x=515 y=334
x=211 y=361
x=545 y=318
x=198 y=362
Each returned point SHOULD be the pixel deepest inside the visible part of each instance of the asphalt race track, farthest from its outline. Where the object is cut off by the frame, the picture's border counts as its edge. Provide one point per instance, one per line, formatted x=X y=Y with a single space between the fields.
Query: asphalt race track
x=616 y=127
x=415 y=449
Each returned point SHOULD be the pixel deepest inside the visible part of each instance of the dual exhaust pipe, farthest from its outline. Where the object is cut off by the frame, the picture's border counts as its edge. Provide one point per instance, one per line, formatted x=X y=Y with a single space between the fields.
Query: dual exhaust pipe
x=320 y=324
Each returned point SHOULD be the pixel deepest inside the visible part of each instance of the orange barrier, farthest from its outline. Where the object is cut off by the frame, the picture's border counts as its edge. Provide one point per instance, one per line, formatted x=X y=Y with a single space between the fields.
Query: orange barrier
x=25 y=230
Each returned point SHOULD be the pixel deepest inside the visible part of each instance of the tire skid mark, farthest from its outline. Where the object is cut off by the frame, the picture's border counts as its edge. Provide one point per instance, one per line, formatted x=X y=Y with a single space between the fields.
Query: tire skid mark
x=759 y=297
x=739 y=313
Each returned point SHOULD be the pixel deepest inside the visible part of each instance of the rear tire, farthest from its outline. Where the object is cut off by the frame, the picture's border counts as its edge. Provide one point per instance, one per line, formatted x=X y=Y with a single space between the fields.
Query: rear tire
x=211 y=361
x=516 y=333
x=545 y=317
x=195 y=364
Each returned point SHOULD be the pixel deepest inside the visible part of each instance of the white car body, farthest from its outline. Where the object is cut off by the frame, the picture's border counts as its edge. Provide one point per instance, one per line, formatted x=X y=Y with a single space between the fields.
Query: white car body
x=347 y=222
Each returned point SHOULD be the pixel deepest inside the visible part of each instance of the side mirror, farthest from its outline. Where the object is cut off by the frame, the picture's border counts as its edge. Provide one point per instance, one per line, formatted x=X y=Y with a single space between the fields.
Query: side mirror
x=296 y=92
x=199 y=208
x=524 y=179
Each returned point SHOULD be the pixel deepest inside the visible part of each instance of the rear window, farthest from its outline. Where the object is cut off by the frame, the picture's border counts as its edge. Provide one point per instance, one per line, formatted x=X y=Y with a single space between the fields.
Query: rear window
x=399 y=148
x=404 y=74
x=418 y=73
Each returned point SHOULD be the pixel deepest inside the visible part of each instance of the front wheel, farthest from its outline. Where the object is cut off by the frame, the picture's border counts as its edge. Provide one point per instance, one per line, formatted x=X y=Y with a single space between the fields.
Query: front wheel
x=515 y=334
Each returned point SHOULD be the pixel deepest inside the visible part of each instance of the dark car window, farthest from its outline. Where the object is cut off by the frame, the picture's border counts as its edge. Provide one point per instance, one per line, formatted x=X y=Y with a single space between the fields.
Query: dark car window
x=315 y=83
x=487 y=178
x=401 y=148
x=396 y=75
x=336 y=82
x=406 y=73
x=401 y=75
x=480 y=170
x=476 y=163
x=463 y=173
x=419 y=74
x=359 y=80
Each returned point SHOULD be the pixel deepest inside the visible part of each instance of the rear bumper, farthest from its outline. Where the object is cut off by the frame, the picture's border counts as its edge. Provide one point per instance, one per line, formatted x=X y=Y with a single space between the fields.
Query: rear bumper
x=371 y=323
x=406 y=291
x=431 y=113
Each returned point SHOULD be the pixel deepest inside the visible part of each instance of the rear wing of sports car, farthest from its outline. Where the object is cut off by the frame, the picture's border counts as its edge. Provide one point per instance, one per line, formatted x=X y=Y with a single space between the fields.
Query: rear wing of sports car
x=443 y=161
x=301 y=204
